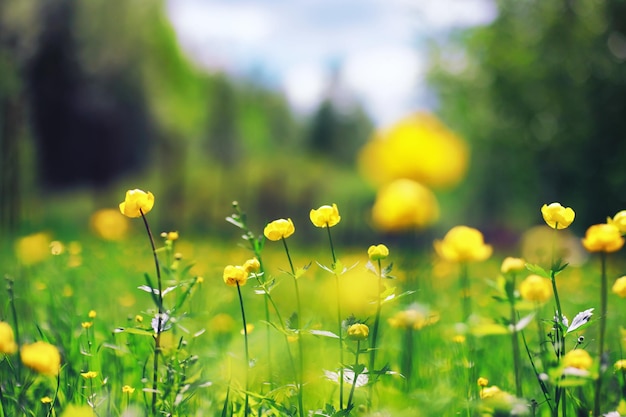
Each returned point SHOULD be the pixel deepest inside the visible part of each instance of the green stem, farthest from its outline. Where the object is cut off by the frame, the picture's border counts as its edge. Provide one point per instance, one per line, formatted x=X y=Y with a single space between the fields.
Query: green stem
x=372 y=364
x=465 y=293
x=515 y=345
x=16 y=326
x=245 y=338
x=603 y=318
x=355 y=376
x=300 y=346
x=157 y=339
x=332 y=251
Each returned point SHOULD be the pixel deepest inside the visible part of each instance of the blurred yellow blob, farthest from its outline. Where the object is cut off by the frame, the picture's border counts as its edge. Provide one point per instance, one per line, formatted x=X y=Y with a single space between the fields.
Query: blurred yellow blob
x=33 y=248
x=41 y=357
x=78 y=411
x=404 y=204
x=418 y=147
x=109 y=224
x=222 y=323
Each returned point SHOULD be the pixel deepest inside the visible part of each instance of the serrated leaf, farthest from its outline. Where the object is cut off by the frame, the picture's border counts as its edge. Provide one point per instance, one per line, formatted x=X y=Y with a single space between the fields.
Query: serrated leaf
x=324 y=333
x=580 y=320
x=132 y=330
x=387 y=271
x=537 y=270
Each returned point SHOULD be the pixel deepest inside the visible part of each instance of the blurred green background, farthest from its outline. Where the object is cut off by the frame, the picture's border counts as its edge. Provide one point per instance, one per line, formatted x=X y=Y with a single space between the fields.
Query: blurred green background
x=97 y=98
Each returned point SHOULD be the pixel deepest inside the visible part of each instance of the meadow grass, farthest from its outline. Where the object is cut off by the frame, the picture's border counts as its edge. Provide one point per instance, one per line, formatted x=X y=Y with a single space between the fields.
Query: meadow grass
x=94 y=301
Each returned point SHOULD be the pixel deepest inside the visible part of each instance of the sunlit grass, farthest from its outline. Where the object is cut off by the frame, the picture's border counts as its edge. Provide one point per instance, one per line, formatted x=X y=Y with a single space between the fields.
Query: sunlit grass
x=79 y=298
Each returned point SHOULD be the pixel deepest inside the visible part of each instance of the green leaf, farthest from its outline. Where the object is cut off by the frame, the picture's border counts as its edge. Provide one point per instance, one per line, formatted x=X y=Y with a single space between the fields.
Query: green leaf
x=324 y=333
x=536 y=269
x=302 y=270
x=387 y=271
x=132 y=330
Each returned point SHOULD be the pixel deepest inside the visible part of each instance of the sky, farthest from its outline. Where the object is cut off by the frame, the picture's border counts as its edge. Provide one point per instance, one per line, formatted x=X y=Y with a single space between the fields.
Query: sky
x=373 y=49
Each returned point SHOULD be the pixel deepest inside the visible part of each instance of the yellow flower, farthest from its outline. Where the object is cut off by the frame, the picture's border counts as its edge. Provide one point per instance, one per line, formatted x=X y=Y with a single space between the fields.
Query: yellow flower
x=619 y=287
x=127 y=389
x=377 y=252
x=109 y=224
x=41 y=357
x=603 y=238
x=511 y=264
x=482 y=382
x=56 y=247
x=325 y=216
x=222 y=323
x=136 y=203
x=404 y=204
x=199 y=280
x=415 y=317
x=33 y=248
x=89 y=374
x=619 y=221
x=536 y=288
x=279 y=229
x=92 y=314
x=86 y=324
x=7 y=339
x=578 y=358
x=358 y=331
x=78 y=411
x=139 y=318
x=418 y=147
x=252 y=265
x=46 y=400
x=557 y=216
x=490 y=392
x=463 y=244
x=235 y=276
x=172 y=236
x=620 y=365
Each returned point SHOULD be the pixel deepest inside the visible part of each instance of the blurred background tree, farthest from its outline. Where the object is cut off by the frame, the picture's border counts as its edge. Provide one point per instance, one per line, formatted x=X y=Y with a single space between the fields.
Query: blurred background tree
x=95 y=99
x=540 y=94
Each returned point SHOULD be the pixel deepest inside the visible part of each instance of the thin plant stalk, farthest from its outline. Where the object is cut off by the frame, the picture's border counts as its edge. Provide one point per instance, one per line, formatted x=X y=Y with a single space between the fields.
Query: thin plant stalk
x=467 y=312
x=157 y=337
x=515 y=343
x=559 y=392
x=300 y=347
x=603 y=312
x=355 y=376
x=245 y=339
x=372 y=364
x=340 y=332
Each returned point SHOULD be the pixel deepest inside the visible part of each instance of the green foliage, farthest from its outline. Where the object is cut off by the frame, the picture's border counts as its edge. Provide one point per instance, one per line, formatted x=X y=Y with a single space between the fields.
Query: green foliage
x=539 y=94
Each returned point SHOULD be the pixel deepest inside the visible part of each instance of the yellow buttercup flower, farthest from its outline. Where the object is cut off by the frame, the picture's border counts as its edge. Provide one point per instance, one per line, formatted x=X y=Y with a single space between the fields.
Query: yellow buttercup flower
x=252 y=265
x=279 y=229
x=511 y=264
x=127 y=389
x=579 y=359
x=377 y=252
x=463 y=244
x=482 y=382
x=41 y=357
x=536 y=288
x=172 y=236
x=620 y=365
x=619 y=287
x=325 y=216
x=46 y=400
x=109 y=224
x=557 y=216
x=235 y=275
x=418 y=147
x=619 y=221
x=86 y=324
x=7 y=339
x=92 y=314
x=415 y=317
x=603 y=238
x=404 y=204
x=89 y=374
x=358 y=331
x=136 y=203
x=33 y=248
x=490 y=392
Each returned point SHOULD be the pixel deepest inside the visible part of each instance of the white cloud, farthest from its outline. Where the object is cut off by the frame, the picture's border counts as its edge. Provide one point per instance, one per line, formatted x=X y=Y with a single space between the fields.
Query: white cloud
x=297 y=42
